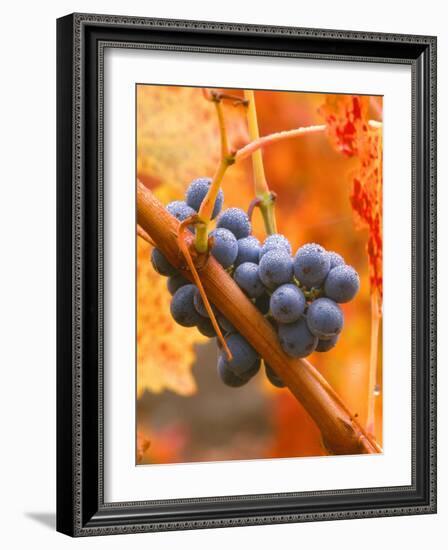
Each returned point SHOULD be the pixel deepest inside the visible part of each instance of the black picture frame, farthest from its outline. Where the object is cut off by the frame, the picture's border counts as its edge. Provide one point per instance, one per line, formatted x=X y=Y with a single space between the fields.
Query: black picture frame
x=81 y=510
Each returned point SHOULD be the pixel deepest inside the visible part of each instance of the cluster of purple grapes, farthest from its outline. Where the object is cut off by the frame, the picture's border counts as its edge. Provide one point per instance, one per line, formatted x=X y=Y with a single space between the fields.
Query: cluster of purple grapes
x=299 y=295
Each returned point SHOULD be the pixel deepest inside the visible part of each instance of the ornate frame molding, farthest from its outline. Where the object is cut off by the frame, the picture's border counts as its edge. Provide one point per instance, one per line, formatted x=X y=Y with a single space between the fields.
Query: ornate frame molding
x=82 y=511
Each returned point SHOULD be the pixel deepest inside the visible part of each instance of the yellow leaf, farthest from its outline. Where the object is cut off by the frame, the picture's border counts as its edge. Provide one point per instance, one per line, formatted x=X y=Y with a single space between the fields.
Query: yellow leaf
x=165 y=351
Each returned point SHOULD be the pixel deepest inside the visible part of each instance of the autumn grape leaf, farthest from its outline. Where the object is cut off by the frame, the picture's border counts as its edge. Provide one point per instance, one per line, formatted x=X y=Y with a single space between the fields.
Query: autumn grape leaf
x=165 y=350
x=366 y=197
x=346 y=118
x=348 y=127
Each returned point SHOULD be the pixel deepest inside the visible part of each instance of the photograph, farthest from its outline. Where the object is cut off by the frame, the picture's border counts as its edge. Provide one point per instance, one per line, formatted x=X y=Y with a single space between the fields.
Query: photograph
x=279 y=192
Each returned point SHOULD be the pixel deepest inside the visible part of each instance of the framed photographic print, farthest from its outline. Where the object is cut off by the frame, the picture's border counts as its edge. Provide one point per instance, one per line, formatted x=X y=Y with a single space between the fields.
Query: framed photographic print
x=246 y=274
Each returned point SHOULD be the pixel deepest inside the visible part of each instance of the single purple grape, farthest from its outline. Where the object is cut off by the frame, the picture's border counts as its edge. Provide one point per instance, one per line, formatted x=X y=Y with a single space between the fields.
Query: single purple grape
x=276 y=268
x=225 y=246
x=335 y=259
x=287 y=303
x=161 y=264
x=248 y=279
x=275 y=242
x=342 y=284
x=324 y=318
x=296 y=338
x=311 y=265
x=327 y=345
x=248 y=250
x=236 y=221
x=182 y=306
x=273 y=378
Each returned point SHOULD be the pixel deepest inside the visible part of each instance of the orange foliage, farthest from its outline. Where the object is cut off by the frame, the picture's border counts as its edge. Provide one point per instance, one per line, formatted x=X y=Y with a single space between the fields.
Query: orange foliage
x=143 y=444
x=177 y=137
x=346 y=121
x=295 y=432
x=350 y=132
x=165 y=350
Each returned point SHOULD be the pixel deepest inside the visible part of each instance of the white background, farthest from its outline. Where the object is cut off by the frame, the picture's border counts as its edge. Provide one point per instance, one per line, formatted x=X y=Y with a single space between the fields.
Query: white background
x=125 y=482
x=27 y=306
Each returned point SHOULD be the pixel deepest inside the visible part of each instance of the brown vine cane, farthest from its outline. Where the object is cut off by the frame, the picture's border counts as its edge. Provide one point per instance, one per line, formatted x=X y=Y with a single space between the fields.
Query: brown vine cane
x=340 y=431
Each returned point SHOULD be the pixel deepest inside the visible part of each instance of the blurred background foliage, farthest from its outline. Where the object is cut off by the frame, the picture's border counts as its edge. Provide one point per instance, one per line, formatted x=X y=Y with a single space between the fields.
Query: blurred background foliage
x=184 y=412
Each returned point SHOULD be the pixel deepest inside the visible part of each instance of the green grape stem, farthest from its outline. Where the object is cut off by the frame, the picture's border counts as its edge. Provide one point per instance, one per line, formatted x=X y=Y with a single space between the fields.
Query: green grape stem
x=262 y=192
